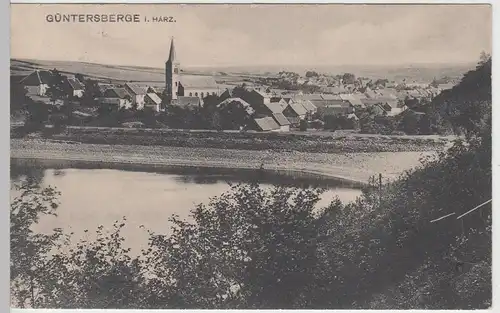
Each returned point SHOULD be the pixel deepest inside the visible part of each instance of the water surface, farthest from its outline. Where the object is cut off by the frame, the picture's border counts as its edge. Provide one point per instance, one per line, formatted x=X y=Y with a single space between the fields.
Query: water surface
x=98 y=196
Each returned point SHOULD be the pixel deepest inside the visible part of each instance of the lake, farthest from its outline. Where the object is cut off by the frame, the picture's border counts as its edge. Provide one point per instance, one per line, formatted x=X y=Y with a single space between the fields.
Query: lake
x=92 y=195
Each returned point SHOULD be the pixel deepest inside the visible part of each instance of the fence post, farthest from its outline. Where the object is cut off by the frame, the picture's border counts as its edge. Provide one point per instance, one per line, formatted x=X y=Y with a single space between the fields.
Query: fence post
x=380 y=188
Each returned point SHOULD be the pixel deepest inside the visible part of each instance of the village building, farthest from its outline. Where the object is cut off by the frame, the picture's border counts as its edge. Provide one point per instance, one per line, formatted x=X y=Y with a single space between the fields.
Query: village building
x=39 y=81
x=295 y=112
x=76 y=87
x=333 y=107
x=227 y=94
x=237 y=101
x=137 y=94
x=282 y=121
x=179 y=85
x=187 y=102
x=117 y=97
x=266 y=124
x=354 y=100
x=152 y=101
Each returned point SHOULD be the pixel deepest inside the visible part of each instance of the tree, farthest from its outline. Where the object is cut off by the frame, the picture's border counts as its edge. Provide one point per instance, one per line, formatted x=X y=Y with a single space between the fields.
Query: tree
x=381 y=82
x=18 y=96
x=310 y=74
x=58 y=89
x=233 y=254
x=80 y=77
x=234 y=115
x=38 y=114
x=29 y=269
x=348 y=78
x=91 y=93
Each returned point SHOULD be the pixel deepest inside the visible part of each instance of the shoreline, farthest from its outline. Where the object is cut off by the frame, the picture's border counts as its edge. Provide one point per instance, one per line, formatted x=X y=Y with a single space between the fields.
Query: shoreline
x=350 y=168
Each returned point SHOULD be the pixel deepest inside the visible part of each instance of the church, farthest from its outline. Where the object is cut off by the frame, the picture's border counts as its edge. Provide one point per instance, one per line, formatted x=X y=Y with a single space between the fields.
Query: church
x=184 y=89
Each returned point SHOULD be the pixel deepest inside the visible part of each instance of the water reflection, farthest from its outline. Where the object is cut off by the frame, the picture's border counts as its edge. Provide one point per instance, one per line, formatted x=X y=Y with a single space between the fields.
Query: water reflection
x=94 y=195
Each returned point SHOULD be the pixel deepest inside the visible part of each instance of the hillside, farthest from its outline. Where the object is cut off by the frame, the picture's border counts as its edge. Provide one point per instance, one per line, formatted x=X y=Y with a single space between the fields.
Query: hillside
x=237 y=74
x=119 y=73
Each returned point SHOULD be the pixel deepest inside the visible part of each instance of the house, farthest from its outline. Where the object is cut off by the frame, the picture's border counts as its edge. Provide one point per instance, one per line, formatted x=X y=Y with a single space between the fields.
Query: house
x=228 y=93
x=370 y=94
x=258 y=100
x=311 y=96
x=333 y=107
x=333 y=90
x=282 y=121
x=355 y=101
x=266 y=124
x=353 y=116
x=104 y=86
x=237 y=101
x=137 y=93
x=117 y=96
x=75 y=86
x=295 y=112
x=395 y=111
x=187 y=102
x=446 y=86
x=273 y=107
x=309 y=106
x=38 y=79
x=151 y=89
x=152 y=101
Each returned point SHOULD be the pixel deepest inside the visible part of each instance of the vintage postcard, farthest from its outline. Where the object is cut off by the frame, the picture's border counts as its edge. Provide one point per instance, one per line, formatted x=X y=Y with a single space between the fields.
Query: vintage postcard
x=246 y=156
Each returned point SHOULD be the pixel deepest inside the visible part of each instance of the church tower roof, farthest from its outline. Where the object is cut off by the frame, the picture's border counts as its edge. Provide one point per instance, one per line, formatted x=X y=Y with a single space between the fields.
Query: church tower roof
x=171 y=56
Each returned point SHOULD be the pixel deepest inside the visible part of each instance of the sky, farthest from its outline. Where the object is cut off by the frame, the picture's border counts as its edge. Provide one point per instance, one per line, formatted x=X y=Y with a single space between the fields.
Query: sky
x=255 y=35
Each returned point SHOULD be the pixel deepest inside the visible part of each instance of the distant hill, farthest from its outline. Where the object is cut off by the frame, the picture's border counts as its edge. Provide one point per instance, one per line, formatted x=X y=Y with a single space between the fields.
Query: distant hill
x=120 y=73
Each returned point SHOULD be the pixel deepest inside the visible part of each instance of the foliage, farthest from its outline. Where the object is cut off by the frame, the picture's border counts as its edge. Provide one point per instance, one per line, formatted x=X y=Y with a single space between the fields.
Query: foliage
x=303 y=125
x=311 y=74
x=18 y=96
x=234 y=115
x=348 y=78
x=91 y=93
x=58 y=89
x=38 y=113
x=29 y=270
x=334 y=122
x=467 y=106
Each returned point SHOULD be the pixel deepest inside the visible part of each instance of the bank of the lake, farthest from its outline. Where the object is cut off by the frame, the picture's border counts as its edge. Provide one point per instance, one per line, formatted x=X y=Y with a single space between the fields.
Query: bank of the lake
x=351 y=167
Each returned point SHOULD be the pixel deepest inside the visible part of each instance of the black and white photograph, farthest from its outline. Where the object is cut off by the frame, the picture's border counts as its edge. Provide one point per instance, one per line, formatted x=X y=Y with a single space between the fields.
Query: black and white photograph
x=251 y=156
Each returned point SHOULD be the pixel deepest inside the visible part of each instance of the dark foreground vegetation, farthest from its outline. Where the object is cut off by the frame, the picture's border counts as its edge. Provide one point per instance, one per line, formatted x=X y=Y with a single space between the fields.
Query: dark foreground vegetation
x=253 y=248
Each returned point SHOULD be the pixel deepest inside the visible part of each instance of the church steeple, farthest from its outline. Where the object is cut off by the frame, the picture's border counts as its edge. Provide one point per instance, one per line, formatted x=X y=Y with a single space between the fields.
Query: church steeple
x=171 y=56
x=172 y=73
